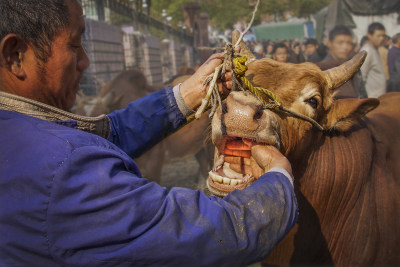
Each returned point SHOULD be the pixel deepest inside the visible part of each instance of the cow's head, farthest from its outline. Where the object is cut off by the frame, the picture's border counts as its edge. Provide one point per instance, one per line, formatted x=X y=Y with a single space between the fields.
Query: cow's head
x=302 y=88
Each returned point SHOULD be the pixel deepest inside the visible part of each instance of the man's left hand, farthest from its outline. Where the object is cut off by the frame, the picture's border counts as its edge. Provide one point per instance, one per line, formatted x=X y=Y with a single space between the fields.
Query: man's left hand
x=193 y=90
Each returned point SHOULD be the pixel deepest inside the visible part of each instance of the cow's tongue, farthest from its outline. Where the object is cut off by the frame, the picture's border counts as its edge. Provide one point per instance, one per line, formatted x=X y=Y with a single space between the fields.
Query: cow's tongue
x=237 y=148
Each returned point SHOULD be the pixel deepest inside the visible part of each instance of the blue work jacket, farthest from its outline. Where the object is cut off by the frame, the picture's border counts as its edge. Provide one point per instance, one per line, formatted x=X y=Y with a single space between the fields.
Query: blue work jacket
x=71 y=198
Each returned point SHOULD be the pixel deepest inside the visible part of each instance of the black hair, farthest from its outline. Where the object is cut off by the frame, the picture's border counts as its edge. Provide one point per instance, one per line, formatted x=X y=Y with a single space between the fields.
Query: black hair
x=280 y=45
x=375 y=26
x=363 y=40
x=311 y=41
x=36 y=22
x=339 y=30
x=396 y=38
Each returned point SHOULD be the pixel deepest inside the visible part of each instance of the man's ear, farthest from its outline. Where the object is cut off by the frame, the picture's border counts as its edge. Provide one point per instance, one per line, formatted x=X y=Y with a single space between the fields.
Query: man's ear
x=346 y=112
x=12 y=50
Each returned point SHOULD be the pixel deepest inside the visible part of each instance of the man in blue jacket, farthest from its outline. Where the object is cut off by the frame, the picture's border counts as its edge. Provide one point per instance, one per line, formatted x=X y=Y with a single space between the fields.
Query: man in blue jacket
x=71 y=195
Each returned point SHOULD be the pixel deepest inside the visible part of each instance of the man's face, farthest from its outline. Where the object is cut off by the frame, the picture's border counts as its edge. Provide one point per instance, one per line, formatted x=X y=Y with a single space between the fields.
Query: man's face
x=377 y=38
x=310 y=49
x=60 y=76
x=340 y=47
x=280 y=54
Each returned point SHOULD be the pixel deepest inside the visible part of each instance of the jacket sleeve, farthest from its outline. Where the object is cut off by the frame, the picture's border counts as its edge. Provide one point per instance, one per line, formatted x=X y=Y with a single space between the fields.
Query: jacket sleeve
x=102 y=214
x=145 y=122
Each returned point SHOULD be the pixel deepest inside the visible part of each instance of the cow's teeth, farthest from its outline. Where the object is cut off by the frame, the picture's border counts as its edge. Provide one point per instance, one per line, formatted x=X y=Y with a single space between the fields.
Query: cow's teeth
x=215 y=177
x=231 y=173
x=224 y=180
x=227 y=181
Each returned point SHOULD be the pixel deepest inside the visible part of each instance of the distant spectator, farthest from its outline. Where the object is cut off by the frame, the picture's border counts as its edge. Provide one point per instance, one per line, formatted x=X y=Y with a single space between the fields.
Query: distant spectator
x=280 y=52
x=323 y=47
x=311 y=50
x=372 y=69
x=341 y=49
x=270 y=48
x=394 y=64
x=363 y=41
x=295 y=54
x=340 y=43
x=383 y=52
x=258 y=51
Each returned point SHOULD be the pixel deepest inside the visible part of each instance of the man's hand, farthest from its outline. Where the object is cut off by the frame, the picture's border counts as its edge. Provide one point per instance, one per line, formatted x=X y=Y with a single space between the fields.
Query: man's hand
x=268 y=157
x=193 y=91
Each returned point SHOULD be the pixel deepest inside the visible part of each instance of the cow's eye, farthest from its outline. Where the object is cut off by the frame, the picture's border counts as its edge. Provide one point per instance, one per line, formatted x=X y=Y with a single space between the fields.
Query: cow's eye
x=312 y=102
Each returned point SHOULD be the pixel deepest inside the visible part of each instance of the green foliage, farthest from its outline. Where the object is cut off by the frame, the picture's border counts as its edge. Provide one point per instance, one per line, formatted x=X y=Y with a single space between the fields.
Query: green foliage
x=225 y=13
x=173 y=8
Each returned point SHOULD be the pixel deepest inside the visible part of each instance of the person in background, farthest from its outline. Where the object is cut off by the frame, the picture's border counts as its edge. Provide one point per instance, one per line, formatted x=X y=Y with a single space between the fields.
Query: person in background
x=341 y=49
x=270 y=48
x=295 y=54
x=372 y=70
x=280 y=52
x=323 y=47
x=363 y=41
x=394 y=64
x=258 y=51
x=383 y=51
x=311 y=50
x=340 y=43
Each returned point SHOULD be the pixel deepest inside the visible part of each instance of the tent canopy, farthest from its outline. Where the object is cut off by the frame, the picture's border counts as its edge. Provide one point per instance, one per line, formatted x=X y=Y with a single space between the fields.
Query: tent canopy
x=372 y=7
x=279 y=31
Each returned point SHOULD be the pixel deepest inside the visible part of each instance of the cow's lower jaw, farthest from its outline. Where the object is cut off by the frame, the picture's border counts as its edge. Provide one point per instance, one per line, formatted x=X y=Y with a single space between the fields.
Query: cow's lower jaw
x=223 y=179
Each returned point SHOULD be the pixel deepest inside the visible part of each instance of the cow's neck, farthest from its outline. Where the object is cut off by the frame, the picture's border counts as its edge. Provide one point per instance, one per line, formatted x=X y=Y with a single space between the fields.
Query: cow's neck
x=335 y=168
x=330 y=179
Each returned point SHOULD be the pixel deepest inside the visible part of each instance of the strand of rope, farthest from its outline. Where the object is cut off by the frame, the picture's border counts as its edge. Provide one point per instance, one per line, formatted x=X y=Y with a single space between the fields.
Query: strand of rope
x=240 y=70
x=274 y=103
x=248 y=26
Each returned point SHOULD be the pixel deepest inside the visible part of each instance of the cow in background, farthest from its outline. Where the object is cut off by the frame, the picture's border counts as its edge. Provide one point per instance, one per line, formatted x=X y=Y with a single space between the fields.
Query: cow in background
x=190 y=140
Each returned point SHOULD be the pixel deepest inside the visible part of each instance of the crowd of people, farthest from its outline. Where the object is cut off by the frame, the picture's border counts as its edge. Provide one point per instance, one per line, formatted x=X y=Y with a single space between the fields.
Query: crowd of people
x=380 y=72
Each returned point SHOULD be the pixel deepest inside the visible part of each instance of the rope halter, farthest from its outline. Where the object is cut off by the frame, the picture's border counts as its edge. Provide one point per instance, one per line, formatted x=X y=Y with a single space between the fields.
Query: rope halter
x=274 y=102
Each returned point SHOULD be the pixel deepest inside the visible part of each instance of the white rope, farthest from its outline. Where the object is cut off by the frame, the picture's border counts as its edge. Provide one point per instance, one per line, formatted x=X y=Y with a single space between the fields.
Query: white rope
x=249 y=26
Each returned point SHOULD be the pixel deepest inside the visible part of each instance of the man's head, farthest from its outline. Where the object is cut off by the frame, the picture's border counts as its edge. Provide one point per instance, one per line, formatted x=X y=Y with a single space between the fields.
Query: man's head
x=396 y=40
x=376 y=34
x=41 y=53
x=280 y=52
x=311 y=45
x=340 y=42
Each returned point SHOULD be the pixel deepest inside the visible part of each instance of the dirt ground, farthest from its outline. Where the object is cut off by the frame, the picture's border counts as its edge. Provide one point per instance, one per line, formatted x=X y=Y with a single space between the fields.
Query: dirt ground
x=183 y=172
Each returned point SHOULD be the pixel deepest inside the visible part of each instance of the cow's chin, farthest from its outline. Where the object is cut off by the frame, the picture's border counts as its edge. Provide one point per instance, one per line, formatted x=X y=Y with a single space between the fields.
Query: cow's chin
x=222 y=178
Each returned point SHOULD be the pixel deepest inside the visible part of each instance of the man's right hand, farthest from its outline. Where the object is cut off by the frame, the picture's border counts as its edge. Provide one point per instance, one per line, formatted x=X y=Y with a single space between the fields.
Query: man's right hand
x=267 y=157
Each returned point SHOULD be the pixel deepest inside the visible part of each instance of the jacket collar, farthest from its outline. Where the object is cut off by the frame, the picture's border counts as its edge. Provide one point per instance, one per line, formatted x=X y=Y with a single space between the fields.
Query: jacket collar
x=96 y=125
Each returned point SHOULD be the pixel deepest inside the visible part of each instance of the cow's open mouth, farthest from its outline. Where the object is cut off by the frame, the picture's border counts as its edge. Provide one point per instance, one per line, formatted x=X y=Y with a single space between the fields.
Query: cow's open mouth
x=232 y=166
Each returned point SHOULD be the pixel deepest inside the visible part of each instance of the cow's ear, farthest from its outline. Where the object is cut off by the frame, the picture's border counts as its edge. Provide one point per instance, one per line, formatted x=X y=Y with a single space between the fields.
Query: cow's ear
x=244 y=50
x=346 y=112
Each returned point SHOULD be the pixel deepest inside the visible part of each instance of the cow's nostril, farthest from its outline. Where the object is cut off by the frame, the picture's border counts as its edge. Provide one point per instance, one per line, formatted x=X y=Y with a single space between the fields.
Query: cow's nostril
x=258 y=114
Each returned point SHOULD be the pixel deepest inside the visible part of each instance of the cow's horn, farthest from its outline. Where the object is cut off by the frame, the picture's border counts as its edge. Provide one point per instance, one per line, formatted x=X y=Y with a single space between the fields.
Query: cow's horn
x=244 y=50
x=341 y=74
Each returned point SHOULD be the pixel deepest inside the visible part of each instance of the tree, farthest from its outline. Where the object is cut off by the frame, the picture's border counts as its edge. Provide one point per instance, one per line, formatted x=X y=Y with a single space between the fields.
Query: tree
x=305 y=8
x=173 y=8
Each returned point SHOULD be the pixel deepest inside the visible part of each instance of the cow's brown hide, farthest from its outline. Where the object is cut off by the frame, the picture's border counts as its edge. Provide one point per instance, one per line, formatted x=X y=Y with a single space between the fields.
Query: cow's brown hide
x=348 y=188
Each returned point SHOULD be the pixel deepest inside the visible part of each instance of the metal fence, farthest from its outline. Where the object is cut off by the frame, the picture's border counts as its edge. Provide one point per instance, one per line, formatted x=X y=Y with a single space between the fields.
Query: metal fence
x=119 y=12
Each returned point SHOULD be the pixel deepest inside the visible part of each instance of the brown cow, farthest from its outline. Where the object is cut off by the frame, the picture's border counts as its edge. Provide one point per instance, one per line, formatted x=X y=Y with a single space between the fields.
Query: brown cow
x=347 y=177
x=190 y=140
